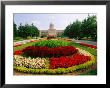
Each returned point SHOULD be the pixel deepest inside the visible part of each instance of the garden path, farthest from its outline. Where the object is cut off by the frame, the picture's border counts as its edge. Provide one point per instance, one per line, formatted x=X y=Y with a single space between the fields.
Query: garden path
x=87 y=42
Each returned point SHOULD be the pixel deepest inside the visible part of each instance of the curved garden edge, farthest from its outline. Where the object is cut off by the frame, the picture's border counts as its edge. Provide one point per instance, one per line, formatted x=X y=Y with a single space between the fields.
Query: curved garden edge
x=57 y=71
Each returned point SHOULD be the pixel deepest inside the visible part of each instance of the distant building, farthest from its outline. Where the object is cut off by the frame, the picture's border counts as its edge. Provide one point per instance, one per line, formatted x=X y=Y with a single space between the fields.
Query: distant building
x=59 y=32
x=43 y=33
x=51 y=32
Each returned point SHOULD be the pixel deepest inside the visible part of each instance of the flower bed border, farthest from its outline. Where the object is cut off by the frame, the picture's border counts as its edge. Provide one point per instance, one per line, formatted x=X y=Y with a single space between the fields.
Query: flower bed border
x=88 y=45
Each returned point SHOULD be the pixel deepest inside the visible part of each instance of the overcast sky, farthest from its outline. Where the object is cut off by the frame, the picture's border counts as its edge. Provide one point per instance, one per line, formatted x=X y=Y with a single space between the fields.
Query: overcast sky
x=42 y=21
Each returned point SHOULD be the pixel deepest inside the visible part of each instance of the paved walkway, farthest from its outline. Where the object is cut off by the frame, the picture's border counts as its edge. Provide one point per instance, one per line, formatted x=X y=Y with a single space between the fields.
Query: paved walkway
x=87 y=42
x=23 y=41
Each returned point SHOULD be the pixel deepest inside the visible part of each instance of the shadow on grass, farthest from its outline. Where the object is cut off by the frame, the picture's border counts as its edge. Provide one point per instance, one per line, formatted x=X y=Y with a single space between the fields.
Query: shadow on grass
x=91 y=72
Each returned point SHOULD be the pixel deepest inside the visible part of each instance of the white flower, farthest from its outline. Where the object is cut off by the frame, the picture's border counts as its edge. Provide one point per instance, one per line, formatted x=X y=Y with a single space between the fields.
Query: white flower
x=29 y=62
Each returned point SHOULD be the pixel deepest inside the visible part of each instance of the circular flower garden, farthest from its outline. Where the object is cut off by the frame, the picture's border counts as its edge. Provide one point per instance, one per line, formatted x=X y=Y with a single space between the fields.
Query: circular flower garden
x=53 y=56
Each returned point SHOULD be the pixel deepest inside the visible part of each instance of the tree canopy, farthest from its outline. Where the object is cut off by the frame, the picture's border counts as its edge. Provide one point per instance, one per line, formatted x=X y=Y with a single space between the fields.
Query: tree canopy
x=87 y=28
x=26 y=30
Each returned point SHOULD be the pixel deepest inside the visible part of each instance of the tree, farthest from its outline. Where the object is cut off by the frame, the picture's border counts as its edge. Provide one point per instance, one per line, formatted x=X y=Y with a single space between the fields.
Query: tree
x=67 y=30
x=89 y=27
x=73 y=30
x=28 y=31
x=22 y=31
x=76 y=29
x=34 y=30
x=15 y=32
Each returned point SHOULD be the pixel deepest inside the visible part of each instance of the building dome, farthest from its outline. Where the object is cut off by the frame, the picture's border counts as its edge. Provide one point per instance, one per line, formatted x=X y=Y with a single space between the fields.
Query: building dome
x=51 y=26
x=51 y=30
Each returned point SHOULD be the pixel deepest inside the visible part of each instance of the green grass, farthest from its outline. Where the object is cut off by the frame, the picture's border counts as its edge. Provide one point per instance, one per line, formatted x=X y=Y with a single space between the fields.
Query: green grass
x=23 y=46
x=18 y=39
x=90 y=50
x=91 y=72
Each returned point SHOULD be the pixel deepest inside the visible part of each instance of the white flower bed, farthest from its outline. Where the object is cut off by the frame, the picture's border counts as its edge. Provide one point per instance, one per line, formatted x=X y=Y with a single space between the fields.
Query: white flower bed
x=29 y=62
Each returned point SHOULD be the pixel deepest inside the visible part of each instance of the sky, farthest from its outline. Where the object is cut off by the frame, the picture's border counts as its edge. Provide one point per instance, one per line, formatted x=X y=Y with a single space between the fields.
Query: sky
x=42 y=21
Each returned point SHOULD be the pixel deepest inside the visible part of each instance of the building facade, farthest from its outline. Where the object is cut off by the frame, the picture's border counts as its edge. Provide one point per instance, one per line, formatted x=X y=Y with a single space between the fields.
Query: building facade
x=51 y=32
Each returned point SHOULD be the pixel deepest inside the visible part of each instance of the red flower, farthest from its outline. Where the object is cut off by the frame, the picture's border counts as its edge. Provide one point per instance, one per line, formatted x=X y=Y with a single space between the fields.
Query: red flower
x=18 y=52
x=38 y=51
x=65 y=62
x=33 y=40
x=88 y=45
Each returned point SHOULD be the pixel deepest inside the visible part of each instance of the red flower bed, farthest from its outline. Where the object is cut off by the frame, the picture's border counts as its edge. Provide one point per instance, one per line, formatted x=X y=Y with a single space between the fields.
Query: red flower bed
x=88 y=45
x=19 y=52
x=38 y=51
x=65 y=62
x=33 y=40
